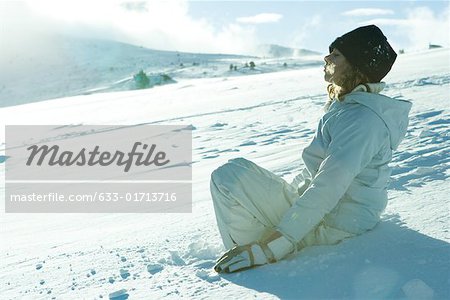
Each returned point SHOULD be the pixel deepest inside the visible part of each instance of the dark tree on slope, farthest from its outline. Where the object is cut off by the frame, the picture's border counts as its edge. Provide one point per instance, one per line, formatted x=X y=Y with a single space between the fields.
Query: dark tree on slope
x=141 y=80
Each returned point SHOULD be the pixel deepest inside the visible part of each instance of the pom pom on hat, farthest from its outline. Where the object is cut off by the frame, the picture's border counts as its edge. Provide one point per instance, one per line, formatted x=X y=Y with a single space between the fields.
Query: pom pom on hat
x=367 y=49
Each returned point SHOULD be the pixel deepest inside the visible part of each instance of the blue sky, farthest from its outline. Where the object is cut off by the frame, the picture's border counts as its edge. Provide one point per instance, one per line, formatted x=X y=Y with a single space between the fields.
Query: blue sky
x=313 y=24
x=227 y=26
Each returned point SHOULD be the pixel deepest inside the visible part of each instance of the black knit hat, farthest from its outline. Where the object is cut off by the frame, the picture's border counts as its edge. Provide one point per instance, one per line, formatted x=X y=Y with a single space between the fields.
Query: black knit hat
x=367 y=49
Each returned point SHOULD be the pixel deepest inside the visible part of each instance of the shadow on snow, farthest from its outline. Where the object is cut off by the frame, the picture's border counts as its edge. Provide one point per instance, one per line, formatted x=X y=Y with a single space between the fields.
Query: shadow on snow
x=381 y=264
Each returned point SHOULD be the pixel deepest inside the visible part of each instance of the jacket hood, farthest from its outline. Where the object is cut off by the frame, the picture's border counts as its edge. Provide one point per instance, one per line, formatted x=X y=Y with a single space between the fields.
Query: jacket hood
x=393 y=112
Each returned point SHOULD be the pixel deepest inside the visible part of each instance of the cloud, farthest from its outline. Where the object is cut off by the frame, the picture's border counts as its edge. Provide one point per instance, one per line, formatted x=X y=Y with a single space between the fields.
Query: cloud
x=421 y=27
x=306 y=31
x=165 y=25
x=260 y=18
x=364 y=12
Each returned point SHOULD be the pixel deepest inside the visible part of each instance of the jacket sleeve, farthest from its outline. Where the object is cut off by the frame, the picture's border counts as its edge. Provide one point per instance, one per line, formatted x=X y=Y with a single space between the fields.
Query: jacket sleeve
x=356 y=136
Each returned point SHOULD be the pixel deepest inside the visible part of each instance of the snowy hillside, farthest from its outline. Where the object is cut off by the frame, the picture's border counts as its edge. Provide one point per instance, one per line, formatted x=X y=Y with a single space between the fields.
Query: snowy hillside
x=267 y=118
x=64 y=66
x=270 y=50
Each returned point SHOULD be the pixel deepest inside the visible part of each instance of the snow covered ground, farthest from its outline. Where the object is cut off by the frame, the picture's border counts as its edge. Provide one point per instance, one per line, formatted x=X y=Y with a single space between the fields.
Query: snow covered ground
x=268 y=118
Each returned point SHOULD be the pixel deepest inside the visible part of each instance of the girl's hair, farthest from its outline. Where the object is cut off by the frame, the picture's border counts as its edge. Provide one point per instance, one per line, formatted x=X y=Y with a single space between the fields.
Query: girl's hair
x=351 y=79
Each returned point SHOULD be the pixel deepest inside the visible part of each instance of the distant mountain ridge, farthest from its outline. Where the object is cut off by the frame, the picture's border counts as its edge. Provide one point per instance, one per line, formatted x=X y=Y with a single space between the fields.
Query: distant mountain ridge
x=63 y=66
x=273 y=50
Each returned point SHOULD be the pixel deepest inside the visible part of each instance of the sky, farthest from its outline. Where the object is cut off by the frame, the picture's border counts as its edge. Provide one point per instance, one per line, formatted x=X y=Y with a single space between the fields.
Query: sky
x=225 y=26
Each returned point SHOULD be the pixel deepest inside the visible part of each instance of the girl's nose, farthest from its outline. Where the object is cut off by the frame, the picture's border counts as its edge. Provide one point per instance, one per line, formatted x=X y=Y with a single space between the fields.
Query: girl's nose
x=327 y=58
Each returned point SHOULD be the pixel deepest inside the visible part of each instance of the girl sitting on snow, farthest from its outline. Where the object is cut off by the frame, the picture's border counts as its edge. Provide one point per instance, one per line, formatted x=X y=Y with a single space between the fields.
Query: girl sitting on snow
x=343 y=188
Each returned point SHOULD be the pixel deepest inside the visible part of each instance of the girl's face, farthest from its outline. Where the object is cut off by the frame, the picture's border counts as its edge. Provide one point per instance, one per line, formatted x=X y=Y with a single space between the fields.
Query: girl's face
x=336 y=67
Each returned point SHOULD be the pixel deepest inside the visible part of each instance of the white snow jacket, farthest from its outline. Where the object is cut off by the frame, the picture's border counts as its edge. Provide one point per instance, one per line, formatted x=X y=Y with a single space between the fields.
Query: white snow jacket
x=345 y=180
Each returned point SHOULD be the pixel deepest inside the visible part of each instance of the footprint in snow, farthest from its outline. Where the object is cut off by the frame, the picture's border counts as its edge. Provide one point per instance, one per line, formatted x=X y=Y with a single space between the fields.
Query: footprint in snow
x=228 y=150
x=424 y=155
x=209 y=276
x=124 y=273
x=210 y=156
x=154 y=268
x=429 y=114
x=176 y=259
x=119 y=295
x=248 y=143
x=219 y=125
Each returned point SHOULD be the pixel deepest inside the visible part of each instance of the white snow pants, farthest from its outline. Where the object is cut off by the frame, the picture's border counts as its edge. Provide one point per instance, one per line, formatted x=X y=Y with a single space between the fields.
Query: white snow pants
x=249 y=199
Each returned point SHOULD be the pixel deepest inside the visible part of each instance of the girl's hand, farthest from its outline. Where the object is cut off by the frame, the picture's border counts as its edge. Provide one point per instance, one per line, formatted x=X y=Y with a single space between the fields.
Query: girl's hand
x=241 y=258
x=272 y=247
